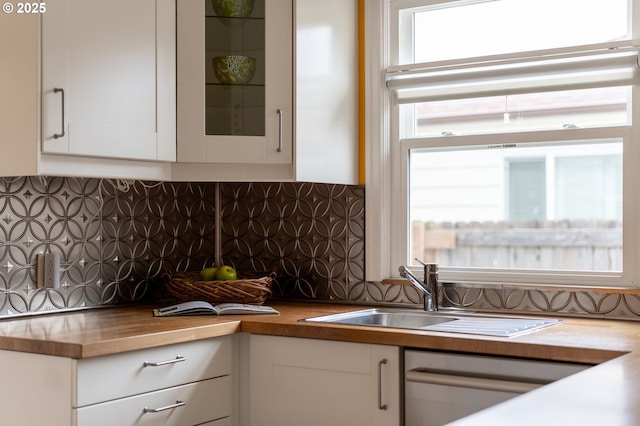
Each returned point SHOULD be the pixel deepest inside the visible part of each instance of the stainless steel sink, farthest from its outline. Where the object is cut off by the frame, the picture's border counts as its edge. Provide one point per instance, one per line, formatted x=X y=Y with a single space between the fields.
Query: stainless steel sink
x=385 y=318
x=450 y=322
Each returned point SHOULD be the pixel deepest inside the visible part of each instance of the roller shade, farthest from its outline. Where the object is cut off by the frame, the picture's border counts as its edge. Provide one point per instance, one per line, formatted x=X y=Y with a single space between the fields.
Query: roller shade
x=548 y=72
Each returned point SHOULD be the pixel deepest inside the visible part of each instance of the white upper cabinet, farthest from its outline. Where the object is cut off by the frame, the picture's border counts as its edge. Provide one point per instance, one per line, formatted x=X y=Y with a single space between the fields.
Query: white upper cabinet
x=235 y=116
x=18 y=94
x=326 y=130
x=90 y=90
x=293 y=118
x=107 y=79
x=232 y=118
x=108 y=72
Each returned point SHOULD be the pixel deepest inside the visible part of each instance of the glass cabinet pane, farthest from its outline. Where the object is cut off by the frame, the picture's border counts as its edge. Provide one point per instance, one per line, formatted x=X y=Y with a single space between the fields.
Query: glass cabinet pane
x=235 y=67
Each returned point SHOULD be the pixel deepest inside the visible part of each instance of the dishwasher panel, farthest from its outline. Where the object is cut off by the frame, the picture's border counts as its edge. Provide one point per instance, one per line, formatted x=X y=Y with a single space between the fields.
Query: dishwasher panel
x=443 y=387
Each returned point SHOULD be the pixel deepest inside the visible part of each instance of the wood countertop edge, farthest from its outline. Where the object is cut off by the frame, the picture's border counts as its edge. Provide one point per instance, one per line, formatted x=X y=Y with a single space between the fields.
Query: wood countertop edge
x=127 y=329
x=134 y=340
x=162 y=338
x=609 y=387
x=436 y=341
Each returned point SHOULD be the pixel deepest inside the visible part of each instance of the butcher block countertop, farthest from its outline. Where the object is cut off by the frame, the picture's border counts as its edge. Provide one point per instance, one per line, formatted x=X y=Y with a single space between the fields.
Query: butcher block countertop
x=606 y=394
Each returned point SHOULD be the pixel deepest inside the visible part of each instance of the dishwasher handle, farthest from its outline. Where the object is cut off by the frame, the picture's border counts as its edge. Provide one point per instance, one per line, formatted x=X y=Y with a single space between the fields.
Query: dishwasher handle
x=485 y=382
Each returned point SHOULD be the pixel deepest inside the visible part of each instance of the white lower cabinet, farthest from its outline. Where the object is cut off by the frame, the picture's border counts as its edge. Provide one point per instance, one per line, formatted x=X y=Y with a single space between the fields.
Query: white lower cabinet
x=182 y=384
x=311 y=382
x=232 y=380
x=190 y=404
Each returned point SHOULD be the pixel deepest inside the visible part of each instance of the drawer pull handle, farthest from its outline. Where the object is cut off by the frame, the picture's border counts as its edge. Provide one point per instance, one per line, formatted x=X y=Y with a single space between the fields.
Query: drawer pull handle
x=419 y=375
x=171 y=361
x=280 y=112
x=165 y=408
x=381 y=406
x=61 y=91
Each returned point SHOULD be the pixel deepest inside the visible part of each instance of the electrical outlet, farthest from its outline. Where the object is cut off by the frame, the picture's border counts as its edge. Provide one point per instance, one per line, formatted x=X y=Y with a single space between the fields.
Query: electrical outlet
x=49 y=270
x=40 y=271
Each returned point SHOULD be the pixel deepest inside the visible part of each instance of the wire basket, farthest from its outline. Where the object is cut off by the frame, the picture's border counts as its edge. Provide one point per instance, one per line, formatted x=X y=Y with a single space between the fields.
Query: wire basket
x=251 y=289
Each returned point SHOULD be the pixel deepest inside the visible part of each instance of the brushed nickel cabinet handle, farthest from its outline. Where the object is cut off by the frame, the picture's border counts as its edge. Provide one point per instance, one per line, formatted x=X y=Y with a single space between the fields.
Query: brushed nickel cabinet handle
x=60 y=135
x=474 y=382
x=160 y=363
x=381 y=406
x=165 y=408
x=280 y=113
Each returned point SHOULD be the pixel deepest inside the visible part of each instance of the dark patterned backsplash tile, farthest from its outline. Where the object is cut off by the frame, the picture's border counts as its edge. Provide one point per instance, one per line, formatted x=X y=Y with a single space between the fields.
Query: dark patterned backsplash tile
x=55 y=215
x=311 y=234
x=114 y=239
x=117 y=238
x=578 y=302
x=152 y=228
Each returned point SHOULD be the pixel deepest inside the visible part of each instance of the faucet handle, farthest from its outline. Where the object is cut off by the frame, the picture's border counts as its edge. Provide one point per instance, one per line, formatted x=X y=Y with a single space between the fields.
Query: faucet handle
x=406 y=273
x=429 y=268
x=420 y=261
x=403 y=271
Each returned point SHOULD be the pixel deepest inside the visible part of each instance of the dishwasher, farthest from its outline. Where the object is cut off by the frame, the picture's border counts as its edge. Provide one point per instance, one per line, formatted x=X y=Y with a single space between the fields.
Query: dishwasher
x=441 y=387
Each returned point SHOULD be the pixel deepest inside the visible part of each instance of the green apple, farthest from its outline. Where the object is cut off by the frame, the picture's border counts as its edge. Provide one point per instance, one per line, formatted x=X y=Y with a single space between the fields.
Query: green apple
x=226 y=272
x=208 y=274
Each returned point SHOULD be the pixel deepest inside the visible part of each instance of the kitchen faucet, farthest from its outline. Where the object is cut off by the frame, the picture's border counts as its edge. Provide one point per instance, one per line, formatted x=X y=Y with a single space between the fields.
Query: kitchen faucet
x=428 y=287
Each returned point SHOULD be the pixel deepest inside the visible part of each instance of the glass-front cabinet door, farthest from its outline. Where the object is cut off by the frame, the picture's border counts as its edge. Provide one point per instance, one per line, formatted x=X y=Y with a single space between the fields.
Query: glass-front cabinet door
x=234 y=69
x=235 y=81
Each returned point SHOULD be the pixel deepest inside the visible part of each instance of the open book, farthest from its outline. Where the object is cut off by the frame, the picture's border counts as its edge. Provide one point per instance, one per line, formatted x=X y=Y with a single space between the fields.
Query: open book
x=200 y=307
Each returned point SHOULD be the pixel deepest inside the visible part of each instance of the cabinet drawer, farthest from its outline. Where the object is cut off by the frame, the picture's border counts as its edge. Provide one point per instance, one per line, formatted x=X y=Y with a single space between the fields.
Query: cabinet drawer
x=204 y=402
x=115 y=376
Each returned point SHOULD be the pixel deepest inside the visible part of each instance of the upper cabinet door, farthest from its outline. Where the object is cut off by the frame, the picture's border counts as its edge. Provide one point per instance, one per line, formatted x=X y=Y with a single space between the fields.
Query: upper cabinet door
x=235 y=82
x=108 y=79
x=326 y=64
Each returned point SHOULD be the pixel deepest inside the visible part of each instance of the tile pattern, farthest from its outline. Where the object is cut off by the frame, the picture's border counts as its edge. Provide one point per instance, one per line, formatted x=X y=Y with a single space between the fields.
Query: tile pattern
x=152 y=228
x=117 y=238
x=311 y=234
x=557 y=302
x=55 y=215
x=114 y=243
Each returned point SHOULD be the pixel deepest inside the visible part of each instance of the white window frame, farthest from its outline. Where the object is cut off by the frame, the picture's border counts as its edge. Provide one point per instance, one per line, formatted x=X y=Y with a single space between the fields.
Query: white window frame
x=387 y=193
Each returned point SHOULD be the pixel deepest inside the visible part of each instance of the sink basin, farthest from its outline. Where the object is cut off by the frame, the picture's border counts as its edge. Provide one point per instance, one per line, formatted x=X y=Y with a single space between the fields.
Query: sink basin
x=450 y=322
x=385 y=318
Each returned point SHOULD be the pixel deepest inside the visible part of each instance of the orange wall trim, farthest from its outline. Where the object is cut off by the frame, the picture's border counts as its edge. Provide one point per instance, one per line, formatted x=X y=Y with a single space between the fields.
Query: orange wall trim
x=361 y=96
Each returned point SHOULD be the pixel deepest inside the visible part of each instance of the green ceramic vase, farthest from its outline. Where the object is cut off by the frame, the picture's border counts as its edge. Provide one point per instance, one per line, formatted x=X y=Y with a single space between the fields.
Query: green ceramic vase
x=233 y=8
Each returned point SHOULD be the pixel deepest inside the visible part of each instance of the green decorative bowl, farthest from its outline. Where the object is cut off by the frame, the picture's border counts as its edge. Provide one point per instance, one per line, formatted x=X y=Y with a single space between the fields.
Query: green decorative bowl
x=233 y=8
x=234 y=69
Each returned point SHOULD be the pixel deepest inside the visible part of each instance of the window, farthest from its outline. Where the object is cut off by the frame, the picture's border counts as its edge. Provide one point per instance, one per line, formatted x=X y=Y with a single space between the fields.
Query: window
x=526 y=180
x=508 y=140
x=537 y=206
x=440 y=30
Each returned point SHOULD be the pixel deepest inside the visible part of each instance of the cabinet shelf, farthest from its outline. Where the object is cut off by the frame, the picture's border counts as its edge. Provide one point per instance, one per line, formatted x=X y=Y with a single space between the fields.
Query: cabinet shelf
x=233 y=20
x=235 y=109
x=231 y=86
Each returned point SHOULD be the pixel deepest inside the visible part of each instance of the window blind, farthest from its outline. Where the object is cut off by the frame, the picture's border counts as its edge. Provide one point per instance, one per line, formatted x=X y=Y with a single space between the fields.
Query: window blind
x=545 y=71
